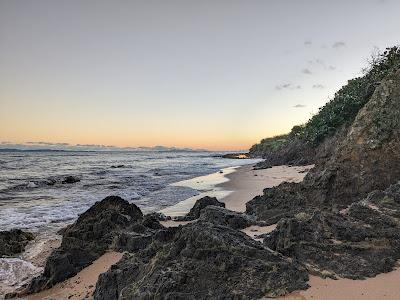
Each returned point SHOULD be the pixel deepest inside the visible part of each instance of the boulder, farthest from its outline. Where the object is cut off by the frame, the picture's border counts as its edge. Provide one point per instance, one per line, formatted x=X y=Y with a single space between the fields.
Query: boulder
x=13 y=242
x=87 y=239
x=222 y=216
x=70 y=180
x=195 y=211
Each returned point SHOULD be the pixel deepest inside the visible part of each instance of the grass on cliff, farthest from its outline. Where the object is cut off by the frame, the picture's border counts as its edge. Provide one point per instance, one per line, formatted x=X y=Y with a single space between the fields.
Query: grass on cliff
x=342 y=109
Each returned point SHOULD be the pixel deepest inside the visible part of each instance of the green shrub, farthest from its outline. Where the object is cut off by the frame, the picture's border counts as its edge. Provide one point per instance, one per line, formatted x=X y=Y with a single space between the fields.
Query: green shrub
x=342 y=109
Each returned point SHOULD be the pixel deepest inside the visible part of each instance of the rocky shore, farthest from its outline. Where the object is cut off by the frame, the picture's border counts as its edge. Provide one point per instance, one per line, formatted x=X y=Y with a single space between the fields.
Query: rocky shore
x=341 y=221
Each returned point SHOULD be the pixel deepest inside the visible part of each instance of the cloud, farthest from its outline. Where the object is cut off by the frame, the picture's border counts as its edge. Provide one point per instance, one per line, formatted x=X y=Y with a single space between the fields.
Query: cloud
x=307 y=43
x=320 y=62
x=338 y=45
x=299 y=106
x=318 y=86
x=287 y=86
x=306 y=71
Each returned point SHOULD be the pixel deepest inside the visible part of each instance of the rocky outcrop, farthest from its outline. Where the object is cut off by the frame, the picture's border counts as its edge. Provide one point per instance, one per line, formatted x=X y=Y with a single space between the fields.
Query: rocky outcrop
x=13 y=242
x=296 y=152
x=359 y=242
x=70 y=180
x=200 y=204
x=88 y=238
x=300 y=153
x=366 y=158
x=236 y=155
x=201 y=261
x=222 y=216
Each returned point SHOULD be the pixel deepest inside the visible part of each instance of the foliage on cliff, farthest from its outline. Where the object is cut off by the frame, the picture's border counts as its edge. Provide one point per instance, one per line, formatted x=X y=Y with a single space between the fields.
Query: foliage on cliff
x=341 y=110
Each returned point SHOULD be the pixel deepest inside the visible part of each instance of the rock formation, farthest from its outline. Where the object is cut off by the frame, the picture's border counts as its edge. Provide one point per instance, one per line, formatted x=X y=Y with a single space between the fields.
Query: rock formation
x=194 y=212
x=201 y=261
x=13 y=242
x=361 y=241
x=88 y=238
x=367 y=158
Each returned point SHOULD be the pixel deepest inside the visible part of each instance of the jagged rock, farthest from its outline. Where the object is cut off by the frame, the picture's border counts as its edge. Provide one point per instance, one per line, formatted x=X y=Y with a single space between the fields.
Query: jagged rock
x=360 y=242
x=222 y=216
x=160 y=216
x=195 y=211
x=201 y=261
x=87 y=239
x=367 y=158
x=14 y=241
x=70 y=180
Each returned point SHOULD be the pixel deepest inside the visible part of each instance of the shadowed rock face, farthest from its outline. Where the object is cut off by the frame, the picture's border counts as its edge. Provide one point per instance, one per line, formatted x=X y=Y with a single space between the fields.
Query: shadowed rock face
x=367 y=158
x=221 y=216
x=87 y=239
x=360 y=242
x=14 y=241
x=195 y=211
x=201 y=261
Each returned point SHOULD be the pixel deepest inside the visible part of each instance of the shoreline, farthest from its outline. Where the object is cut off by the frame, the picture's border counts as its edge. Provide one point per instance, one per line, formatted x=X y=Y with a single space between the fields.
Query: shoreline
x=235 y=186
x=238 y=185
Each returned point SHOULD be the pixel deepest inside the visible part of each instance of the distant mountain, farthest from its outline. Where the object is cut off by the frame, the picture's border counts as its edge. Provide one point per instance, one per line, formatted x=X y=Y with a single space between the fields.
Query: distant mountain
x=45 y=146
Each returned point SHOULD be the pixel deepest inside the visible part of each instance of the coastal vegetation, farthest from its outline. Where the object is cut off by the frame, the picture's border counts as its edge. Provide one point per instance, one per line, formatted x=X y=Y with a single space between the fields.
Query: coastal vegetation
x=338 y=112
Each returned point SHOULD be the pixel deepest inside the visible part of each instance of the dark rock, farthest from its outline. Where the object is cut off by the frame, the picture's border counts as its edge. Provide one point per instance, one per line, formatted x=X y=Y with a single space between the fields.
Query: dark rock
x=160 y=216
x=70 y=180
x=221 y=216
x=236 y=155
x=359 y=242
x=201 y=261
x=87 y=239
x=13 y=242
x=117 y=166
x=194 y=213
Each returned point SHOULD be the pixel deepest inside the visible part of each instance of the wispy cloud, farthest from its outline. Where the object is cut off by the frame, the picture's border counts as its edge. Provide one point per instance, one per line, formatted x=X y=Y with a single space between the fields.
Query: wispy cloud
x=306 y=71
x=307 y=43
x=318 y=86
x=321 y=63
x=287 y=86
x=299 y=106
x=339 y=44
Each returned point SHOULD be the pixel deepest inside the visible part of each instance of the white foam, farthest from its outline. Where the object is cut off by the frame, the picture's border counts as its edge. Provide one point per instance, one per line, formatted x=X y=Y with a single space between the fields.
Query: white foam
x=207 y=185
x=15 y=272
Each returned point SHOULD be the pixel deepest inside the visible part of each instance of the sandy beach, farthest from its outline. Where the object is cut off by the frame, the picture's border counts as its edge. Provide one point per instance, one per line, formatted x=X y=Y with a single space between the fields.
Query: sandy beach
x=82 y=285
x=246 y=183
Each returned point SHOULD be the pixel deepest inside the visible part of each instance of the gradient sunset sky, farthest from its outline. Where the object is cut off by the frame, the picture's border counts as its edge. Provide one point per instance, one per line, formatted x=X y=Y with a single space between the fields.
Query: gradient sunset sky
x=201 y=74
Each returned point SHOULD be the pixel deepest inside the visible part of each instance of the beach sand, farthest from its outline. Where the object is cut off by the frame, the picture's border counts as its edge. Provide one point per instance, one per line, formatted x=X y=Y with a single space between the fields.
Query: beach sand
x=247 y=183
x=82 y=285
x=384 y=286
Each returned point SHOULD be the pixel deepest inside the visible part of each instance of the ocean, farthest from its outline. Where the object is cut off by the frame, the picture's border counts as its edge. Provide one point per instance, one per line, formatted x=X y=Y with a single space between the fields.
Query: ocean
x=34 y=197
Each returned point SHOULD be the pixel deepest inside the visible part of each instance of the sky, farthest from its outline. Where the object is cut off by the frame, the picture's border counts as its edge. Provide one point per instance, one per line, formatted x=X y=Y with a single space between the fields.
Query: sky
x=219 y=75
